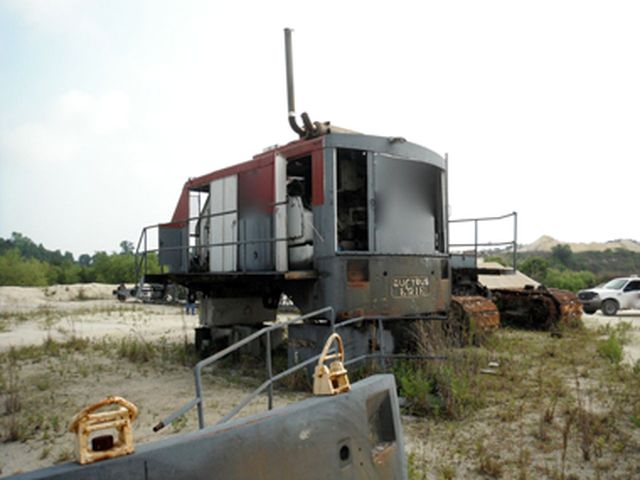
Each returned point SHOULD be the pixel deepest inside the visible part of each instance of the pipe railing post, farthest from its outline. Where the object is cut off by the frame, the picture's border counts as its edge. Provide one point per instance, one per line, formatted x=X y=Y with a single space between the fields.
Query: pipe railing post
x=145 y=254
x=475 y=241
x=515 y=241
x=200 y=406
x=269 y=370
x=381 y=345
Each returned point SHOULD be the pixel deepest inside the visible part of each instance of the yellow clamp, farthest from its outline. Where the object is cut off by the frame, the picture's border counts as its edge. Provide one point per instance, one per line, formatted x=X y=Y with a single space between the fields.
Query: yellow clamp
x=87 y=422
x=332 y=380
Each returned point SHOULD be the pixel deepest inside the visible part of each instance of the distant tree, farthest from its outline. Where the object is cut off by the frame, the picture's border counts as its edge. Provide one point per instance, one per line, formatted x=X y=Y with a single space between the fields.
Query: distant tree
x=563 y=255
x=535 y=267
x=115 y=268
x=84 y=260
x=126 y=247
x=65 y=273
x=18 y=271
x=28 y=249
x=24 y=263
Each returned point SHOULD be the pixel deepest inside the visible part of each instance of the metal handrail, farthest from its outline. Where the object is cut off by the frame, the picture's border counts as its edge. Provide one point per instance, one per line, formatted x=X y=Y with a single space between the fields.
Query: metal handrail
x=380 y=355
x=513 y=243
x=141 y=253
x=198 y=401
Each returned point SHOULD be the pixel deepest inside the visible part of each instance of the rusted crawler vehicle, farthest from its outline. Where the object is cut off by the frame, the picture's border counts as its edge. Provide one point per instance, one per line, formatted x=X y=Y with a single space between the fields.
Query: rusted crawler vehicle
x=538 y=308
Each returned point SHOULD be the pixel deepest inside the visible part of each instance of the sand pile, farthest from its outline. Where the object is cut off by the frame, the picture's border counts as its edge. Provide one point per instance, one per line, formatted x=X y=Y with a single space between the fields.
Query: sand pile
x=27 y=298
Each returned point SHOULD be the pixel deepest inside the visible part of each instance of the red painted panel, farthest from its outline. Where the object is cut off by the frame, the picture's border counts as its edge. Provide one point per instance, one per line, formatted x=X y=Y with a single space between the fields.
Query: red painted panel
x=256 y=189
x=182 y=209
x=263 y=163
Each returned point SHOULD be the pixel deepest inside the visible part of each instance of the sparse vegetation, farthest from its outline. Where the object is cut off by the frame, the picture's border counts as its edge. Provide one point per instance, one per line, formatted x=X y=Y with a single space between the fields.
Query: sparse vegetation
x=547 y=408
x=523 y=405
x=611 y=349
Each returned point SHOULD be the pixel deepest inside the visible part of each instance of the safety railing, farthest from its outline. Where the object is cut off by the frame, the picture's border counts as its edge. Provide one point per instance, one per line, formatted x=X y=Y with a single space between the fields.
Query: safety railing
x=143 y=249
x=476 y=244
x=380 y=355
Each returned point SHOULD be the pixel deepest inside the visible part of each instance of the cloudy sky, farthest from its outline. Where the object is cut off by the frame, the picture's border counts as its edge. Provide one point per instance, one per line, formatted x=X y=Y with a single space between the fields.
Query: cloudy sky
x=107 y=108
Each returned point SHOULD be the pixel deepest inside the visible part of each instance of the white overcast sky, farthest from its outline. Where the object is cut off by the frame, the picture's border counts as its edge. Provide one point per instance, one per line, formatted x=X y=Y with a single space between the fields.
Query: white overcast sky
x=107 y=108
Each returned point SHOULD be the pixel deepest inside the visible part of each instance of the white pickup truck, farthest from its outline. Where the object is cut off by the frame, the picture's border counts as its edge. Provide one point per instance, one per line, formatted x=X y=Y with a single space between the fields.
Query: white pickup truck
x=618 y=294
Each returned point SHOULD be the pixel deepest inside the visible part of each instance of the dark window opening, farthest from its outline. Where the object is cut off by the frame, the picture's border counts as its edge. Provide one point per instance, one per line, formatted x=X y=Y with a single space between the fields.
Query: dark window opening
x=633 y=286
x=299 y=179
x=353 y=217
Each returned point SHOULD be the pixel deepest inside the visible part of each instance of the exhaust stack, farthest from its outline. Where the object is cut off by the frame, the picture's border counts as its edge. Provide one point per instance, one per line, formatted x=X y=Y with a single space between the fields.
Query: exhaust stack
x=309 y=130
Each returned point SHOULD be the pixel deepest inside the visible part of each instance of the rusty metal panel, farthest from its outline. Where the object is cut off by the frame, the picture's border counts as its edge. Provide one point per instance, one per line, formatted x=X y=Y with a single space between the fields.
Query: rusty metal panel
x=392 y=285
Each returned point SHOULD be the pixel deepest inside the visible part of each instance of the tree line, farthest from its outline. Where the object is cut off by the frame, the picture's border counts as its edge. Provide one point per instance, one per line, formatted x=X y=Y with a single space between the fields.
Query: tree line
x=562 y=268
x=23 y=263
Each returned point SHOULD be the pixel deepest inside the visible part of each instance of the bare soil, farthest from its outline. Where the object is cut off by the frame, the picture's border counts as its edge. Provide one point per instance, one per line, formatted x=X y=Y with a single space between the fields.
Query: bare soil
x=87 y=346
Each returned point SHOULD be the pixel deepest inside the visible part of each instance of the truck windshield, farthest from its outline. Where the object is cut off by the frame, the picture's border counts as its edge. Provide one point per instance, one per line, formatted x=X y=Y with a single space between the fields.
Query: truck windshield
x=615 y=284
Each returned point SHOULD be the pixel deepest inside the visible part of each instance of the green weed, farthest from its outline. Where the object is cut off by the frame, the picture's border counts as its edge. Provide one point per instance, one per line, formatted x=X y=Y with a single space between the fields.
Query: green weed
x=611 y=348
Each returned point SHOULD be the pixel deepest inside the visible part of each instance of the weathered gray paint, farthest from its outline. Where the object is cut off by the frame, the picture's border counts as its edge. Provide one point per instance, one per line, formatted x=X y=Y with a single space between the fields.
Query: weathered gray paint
x=171 y=248
x=402 y=254
x=354 y=435
x=410 y=249
x=255 y=257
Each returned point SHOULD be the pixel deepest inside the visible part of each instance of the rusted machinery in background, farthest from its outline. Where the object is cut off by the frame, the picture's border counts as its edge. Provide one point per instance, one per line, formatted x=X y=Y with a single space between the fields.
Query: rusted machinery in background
x=520 y=301
x=538 y=308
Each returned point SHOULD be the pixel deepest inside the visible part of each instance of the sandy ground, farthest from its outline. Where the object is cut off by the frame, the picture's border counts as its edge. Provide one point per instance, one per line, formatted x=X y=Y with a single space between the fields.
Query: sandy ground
x=31 y=315
x=96 y=315
x=28 y=316
x=632 y=317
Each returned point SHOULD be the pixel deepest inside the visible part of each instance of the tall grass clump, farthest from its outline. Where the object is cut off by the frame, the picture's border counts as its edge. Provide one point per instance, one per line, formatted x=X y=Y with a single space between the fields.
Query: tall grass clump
x=136 y=350
x=444 y=385
x=611 y=348
x=13 y=402
x=440 y=388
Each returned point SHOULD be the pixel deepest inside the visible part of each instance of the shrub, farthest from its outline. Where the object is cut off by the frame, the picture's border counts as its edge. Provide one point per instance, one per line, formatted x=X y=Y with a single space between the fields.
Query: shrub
x=439 y=388
x=16 y=270
x=611 y=349
x=569 y=280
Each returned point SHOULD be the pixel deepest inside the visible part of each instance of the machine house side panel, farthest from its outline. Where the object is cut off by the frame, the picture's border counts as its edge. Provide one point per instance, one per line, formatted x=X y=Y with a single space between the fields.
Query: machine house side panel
x=224 y=224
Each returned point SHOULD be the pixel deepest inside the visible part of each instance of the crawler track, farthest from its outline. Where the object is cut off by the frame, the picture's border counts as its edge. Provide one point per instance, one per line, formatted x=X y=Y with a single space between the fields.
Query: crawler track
x=471 y=317
x=540 y=309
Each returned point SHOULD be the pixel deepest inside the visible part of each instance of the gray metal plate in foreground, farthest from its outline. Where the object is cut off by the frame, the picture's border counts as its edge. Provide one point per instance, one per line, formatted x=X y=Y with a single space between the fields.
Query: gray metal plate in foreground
x=357 y=434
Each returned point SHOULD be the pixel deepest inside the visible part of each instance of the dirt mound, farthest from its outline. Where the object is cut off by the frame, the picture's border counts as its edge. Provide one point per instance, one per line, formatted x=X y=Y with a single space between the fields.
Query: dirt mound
x=546 y=244
x=26 y=298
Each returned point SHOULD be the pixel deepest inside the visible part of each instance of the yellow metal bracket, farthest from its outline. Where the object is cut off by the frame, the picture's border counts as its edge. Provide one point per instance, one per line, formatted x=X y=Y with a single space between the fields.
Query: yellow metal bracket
x=333 y=379
x=87 y=422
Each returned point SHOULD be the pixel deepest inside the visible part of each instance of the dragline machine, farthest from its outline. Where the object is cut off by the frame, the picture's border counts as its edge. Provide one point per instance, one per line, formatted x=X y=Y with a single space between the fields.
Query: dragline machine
x=335 y=218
